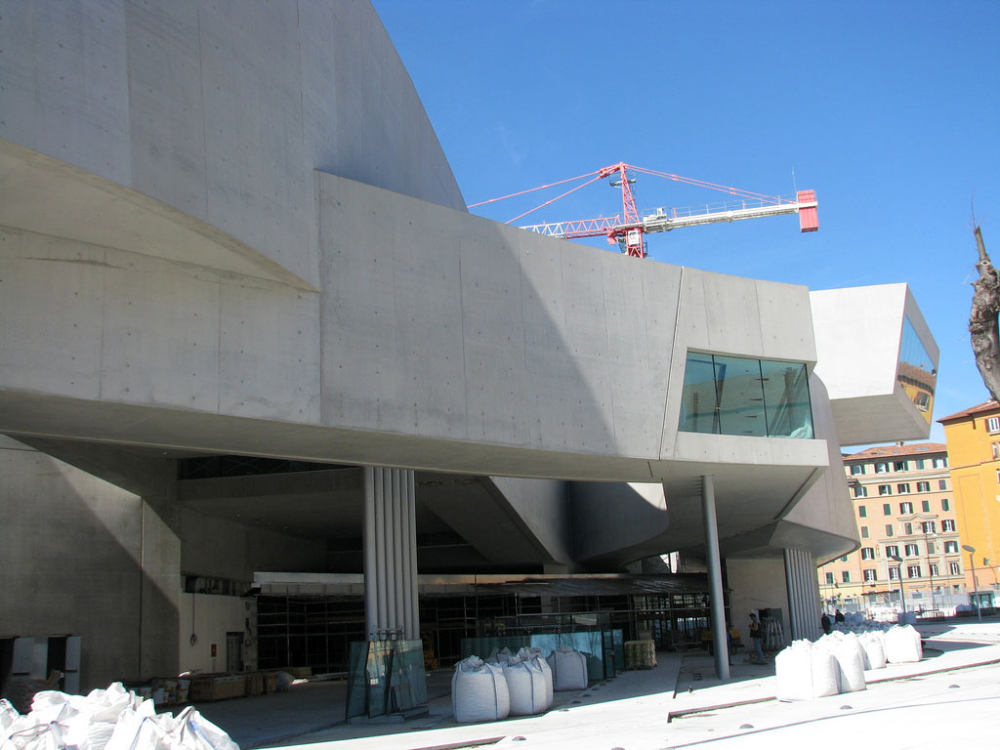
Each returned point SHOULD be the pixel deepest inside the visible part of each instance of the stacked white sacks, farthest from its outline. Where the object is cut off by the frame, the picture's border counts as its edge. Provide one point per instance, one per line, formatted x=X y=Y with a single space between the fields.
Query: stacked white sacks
x=569 y=669
x=837 y=662
x=479 y=691
x=112 y=719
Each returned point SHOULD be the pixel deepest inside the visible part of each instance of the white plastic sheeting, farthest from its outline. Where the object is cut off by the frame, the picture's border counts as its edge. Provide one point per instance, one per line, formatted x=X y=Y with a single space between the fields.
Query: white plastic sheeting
x=112 y=719
x=569 y=669
x=479 y=691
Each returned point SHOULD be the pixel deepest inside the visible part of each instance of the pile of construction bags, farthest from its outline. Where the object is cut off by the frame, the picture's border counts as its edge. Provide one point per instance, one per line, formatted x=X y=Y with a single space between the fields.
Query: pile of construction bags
x=837 y=662
x=508 y=684
x=112 y=719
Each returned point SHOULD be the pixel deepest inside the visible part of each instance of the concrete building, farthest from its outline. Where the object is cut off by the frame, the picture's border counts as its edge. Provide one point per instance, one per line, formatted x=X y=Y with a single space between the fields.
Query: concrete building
x=254 y=345
x=973 y=437
x=906 y=516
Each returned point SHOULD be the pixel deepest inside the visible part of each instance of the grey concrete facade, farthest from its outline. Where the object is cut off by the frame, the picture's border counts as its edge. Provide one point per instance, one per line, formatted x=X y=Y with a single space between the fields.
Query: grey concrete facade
x=228 y=229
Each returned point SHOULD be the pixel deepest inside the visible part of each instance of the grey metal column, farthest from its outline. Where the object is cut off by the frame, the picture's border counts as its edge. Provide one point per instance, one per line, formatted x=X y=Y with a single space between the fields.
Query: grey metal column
x=803 y=594
x=720 y=640
x=390 y=554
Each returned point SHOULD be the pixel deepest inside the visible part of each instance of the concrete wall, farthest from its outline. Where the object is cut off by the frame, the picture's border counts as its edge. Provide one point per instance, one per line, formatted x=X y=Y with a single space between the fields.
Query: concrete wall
x=756 y=583
x=221 y=110
x=454 y=328
x=221 y=548
x=209 y=618
x=826 y=506
x=85 y=557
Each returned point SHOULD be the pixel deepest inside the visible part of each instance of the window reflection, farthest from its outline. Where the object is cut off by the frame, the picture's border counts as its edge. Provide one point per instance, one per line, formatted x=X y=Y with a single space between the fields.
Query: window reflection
x=740 y=396
x=917 y=372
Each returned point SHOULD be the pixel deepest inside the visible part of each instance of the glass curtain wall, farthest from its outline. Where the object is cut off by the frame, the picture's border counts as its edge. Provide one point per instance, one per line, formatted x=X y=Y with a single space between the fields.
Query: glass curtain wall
x=726 y=395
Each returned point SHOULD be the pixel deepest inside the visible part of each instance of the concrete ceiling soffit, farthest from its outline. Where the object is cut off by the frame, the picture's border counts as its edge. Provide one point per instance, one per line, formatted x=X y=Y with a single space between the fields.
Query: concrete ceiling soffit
x=472 y=507
x=44 y=195
x=615 y=523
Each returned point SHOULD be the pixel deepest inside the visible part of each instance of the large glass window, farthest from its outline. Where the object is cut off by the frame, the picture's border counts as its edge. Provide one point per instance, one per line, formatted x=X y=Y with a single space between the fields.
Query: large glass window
x=740 y=396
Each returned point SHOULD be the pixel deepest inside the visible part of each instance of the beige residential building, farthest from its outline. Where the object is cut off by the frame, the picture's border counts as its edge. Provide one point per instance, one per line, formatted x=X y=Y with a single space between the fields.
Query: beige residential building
x=905 y=511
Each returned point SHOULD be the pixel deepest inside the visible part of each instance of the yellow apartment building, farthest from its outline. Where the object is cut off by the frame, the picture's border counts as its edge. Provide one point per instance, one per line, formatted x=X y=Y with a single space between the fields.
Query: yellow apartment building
x=973 y=438
x=909 y=531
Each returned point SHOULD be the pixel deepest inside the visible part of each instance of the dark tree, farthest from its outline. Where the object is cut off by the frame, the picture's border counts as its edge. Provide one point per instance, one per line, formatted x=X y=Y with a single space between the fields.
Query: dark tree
x=983 y=319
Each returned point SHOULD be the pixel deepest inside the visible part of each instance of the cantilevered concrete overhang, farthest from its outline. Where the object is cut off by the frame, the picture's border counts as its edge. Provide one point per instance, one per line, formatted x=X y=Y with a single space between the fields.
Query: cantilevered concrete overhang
x=878 y=358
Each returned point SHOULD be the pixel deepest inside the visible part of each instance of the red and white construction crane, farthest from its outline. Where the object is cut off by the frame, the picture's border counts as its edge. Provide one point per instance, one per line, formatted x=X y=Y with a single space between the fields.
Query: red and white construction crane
x=628 y=230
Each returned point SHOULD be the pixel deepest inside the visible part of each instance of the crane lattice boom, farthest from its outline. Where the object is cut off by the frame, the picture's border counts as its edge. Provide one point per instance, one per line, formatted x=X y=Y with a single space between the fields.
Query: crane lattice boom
x=628 y=230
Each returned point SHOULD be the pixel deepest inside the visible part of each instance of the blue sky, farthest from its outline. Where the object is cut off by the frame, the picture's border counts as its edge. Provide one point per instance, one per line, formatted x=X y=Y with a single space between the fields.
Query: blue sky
x=889 y=110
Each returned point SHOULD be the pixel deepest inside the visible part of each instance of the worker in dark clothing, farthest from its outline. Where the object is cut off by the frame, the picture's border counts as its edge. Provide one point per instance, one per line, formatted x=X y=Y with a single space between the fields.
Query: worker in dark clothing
x=825 y=622
x=755 y=638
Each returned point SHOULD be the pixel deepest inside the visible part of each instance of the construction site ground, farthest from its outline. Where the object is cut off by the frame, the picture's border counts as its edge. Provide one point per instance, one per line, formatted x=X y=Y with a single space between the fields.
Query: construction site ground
x=950 y=698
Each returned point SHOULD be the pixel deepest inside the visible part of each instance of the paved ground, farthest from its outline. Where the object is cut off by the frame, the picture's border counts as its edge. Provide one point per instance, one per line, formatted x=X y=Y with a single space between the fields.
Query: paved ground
x=951 y=698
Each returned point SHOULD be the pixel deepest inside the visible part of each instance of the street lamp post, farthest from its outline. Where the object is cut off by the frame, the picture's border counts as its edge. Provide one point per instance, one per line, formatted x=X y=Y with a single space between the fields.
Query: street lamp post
x=975 y=584
x=902 y=595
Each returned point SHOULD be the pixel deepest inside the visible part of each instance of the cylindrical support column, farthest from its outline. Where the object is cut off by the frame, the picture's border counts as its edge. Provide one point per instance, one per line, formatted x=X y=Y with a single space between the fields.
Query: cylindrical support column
x=370 y=545
x=803 y=594
x=720 y=633
x=414 y=631
x=401 y=586
x=390 y=553
x=391 y=535
x=381 y=581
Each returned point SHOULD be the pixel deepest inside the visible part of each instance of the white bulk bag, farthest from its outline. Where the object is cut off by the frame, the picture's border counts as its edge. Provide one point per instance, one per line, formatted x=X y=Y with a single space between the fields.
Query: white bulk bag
x=526 y=685
x=479 y=691
x=902 y=644
x=569 y=669
x=8 y=715
x=825 y=672
x=850 y=658
x=501 y=656
x=874 y=650
x=793 y=672
x=534 y=655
